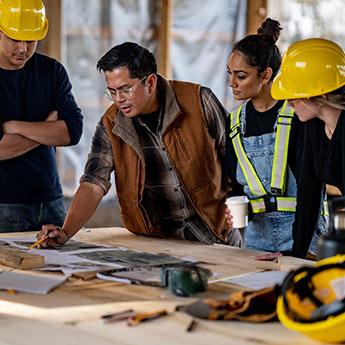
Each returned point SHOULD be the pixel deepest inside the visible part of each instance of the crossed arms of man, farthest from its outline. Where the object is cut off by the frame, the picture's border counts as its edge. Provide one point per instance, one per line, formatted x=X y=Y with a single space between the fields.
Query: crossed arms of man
x=20 y=137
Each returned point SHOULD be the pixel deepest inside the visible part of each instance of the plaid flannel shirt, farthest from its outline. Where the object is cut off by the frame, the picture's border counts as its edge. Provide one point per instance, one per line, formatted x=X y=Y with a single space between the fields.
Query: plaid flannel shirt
x=165 y=200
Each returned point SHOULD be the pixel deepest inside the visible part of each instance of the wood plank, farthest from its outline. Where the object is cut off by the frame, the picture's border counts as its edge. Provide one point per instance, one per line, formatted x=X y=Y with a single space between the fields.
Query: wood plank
x=22 y=331
x=19 y=259
x=164 y=44
x=222 y=259
x=74 y=310
x=171 y=330
x=86 y=323
x=283 y=263
x=51 y=45
x=256 y=14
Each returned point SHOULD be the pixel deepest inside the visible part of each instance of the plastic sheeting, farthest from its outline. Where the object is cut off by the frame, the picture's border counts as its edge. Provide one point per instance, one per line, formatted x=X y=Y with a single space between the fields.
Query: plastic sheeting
x=202 y=35
x=304 y=19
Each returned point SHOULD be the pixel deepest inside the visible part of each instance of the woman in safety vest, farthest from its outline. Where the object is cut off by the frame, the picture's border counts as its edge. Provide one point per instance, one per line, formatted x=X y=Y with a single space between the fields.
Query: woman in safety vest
x=264 y=141
x=312 y=78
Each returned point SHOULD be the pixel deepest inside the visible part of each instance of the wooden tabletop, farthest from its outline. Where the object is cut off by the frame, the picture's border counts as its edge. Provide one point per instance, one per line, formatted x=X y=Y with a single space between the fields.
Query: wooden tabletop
x=71 y=314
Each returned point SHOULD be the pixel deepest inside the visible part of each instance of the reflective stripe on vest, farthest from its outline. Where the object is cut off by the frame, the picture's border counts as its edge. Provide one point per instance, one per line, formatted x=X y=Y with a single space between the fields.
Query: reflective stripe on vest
x=248 y=170
x=281 y=145
x=287 y=204
x=278 y=176
x=325 y=209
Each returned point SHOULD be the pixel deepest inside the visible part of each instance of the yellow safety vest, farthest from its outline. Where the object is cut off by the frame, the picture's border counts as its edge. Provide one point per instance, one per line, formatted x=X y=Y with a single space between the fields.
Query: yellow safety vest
x=275 y=199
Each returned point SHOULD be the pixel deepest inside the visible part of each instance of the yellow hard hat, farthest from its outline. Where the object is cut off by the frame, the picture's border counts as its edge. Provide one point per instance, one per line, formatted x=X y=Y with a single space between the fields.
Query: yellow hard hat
x=313 y=301
x=23 y=20
x=310 y=67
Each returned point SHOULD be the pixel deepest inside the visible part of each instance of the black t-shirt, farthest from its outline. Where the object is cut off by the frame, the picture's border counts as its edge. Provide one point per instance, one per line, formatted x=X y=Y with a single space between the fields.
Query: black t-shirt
x=322 y=161
x=151 y=120
x=259 y=123
x=29 y=94
x=329 y=153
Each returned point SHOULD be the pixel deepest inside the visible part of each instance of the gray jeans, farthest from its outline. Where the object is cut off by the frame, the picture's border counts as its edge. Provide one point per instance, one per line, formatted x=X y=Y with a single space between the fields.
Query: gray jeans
x=31 y=217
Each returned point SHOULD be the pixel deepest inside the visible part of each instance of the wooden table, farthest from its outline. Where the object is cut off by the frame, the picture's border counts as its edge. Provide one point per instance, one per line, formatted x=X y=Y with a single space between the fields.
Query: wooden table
x=71 y=314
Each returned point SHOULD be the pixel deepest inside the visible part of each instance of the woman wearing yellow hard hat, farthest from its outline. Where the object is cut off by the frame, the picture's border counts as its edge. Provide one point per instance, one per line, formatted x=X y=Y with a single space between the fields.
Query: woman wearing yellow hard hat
x=312 y=78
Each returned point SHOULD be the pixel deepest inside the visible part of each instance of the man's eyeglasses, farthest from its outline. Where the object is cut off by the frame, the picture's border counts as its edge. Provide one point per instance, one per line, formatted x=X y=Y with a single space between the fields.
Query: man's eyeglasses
x=127 y=91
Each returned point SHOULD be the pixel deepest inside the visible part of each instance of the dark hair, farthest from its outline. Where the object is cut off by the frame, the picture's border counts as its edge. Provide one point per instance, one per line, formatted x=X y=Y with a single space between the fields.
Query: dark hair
x=139 y=60
x=260 y=50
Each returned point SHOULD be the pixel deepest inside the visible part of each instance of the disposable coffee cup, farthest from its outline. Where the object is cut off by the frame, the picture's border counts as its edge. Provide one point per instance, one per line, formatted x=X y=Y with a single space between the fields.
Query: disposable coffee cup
x=238 y=206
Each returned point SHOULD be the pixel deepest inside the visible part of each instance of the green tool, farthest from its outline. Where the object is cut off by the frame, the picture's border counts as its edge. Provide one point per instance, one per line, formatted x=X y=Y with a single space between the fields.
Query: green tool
x=184 y=280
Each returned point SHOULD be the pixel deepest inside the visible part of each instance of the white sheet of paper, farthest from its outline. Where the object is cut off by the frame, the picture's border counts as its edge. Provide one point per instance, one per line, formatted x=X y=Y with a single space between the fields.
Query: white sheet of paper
x=24 y=282
x=258 y=280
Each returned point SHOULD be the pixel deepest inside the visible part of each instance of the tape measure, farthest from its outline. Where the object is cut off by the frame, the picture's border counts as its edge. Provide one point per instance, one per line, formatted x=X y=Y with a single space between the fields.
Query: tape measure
x=184 y=280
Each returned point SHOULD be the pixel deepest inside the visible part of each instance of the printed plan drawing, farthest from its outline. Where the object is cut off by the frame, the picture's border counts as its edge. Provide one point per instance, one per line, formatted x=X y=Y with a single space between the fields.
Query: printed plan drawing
x=81 y=257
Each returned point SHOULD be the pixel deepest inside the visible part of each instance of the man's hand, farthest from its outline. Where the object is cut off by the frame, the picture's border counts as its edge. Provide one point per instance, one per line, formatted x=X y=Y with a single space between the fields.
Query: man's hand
x=311 y=256
x=228 y=219
x=10 y=127
x=57 y=237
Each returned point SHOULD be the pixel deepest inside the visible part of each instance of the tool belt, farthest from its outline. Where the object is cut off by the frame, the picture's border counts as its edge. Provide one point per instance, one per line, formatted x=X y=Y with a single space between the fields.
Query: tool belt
x=252 y=306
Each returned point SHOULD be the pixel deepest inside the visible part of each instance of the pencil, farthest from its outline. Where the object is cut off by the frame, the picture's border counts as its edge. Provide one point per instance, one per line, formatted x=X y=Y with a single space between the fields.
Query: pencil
x=38 y=242
x=42 y=240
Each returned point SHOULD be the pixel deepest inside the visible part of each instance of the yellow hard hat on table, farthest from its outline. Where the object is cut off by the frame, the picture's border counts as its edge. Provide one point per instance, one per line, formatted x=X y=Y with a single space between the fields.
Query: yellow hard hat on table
x=23 y=20
x=312 y=300
x=310 y=68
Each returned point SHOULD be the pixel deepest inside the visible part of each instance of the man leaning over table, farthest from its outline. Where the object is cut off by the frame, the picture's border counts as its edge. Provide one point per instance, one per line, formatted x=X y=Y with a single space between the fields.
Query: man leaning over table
x=164 y=141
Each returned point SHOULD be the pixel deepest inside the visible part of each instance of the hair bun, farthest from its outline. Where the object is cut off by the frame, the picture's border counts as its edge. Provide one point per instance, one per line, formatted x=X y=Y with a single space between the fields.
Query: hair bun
x=271 y=28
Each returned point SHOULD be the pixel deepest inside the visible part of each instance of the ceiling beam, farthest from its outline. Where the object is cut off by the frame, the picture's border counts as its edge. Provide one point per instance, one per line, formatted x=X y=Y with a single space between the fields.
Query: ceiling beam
x=51 y=45
x=256 y=14
x=164 y=38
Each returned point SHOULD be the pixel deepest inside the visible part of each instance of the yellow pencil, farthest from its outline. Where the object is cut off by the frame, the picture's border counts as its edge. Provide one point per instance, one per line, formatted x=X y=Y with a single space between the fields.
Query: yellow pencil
x=42 y=240
x=38 y=242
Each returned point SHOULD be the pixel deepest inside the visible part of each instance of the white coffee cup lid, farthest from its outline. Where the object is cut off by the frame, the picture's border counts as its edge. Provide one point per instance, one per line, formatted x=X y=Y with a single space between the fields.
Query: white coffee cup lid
x=235 y=200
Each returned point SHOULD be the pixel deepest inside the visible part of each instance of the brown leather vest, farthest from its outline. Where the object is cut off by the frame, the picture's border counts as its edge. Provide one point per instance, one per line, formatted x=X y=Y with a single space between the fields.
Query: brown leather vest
x=193 y=153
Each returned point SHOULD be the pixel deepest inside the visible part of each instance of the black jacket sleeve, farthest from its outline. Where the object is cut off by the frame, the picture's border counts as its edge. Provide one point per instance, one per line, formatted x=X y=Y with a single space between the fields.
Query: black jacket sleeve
x=309 y=189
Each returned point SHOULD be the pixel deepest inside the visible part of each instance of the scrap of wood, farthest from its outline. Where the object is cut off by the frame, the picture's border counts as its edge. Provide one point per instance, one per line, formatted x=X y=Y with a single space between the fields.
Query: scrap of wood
x=88 y=275
x=283 y=263
x=19 y=259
